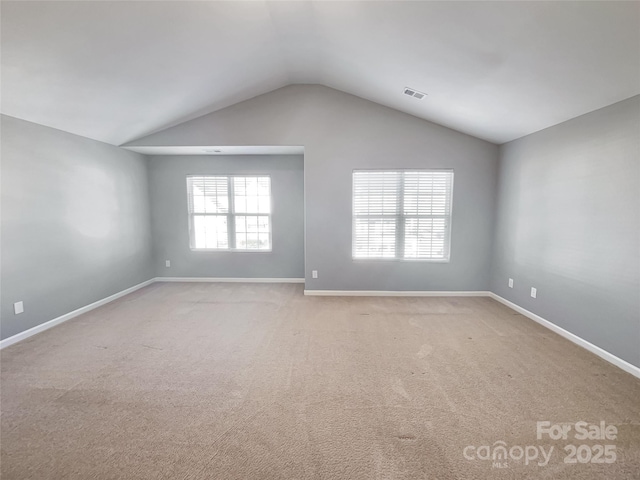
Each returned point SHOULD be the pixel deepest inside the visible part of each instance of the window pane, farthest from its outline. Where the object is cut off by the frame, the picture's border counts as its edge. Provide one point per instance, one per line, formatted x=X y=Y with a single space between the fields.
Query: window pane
x=263 y=223
x=263 y=241
x=374 y=238
x=375 y=193
x=264 y=205
x=426 y=238
x=241 y=204
x=252 y=224
x=241 y=240
x=241 y=224
x=252 y=186
x=198 y=204
x=252 y=232
x=208 y=194
x=427 y=199
x=210 y=231
x=252 y=194
x=427 y=192
x=252 y=241
x=252 y=205
x=264 y=187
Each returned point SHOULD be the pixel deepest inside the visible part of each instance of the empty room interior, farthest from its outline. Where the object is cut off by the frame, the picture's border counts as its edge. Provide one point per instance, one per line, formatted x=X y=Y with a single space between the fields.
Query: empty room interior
x=361 y=240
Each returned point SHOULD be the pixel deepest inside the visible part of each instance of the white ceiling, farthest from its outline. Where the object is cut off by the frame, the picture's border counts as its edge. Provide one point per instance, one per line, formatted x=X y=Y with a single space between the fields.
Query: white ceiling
x=116 y=71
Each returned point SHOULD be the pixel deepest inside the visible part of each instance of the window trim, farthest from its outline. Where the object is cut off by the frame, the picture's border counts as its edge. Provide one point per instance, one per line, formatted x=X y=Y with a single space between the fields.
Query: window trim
x=400 y=219
x=231 y=221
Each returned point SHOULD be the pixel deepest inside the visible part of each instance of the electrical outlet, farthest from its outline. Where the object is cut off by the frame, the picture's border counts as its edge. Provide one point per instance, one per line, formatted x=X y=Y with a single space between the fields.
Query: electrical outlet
x=534 y=292
x=511 y=283
x=314 y=273
x=18 y=307
x=167 y=263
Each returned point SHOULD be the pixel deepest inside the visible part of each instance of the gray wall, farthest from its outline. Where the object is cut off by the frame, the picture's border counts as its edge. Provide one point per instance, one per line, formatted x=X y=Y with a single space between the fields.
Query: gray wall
x=75 y=223
x=569 y=224
x=168 y=188
x=341 y=132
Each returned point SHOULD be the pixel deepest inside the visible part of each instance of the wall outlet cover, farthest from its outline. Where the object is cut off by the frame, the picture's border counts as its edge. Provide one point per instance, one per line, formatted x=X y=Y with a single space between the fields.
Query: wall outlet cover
x=511 y=283
x=18 y=307
x=314 y=273
x=167 y=263
x=534 y=292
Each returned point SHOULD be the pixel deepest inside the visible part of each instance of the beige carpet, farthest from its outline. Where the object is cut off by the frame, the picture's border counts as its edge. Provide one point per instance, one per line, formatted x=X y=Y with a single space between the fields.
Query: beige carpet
x=256 y=381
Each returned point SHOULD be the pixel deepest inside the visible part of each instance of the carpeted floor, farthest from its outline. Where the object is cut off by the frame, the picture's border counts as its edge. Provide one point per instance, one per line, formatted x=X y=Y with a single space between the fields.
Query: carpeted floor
x=256 y=381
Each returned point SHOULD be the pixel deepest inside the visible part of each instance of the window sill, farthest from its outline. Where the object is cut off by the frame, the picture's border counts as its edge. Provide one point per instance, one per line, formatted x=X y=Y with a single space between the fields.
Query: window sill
x=402 y=260
x=229 y=250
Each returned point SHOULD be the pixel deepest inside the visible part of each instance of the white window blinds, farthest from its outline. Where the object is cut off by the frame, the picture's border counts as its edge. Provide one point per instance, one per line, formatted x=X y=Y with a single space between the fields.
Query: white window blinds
x=375 y=208
x=402 y=214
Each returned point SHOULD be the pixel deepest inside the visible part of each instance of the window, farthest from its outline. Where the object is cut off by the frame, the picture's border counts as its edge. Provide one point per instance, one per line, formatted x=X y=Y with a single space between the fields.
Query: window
x=402 y=214
x=229 y=212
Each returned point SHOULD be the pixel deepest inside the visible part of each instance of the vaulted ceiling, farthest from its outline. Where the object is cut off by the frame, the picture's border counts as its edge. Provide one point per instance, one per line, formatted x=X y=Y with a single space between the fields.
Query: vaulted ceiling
x=116 y=71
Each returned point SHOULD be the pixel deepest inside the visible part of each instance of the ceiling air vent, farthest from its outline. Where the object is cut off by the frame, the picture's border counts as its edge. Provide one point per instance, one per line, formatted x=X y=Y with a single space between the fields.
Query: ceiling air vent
x=414 y=93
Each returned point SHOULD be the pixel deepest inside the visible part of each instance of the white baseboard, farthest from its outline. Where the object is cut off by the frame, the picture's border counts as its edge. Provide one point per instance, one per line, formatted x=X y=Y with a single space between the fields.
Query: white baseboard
x=228 y=280
x=393 y=293
x=68 y=316
x=609 y=357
